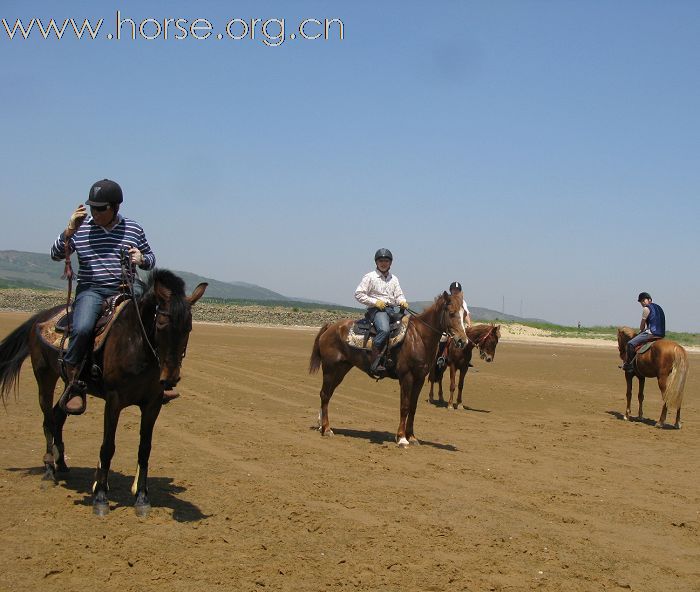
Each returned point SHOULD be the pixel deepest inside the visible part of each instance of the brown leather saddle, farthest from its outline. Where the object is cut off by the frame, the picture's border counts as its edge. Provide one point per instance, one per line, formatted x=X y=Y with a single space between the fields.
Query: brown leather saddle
x=53 y=330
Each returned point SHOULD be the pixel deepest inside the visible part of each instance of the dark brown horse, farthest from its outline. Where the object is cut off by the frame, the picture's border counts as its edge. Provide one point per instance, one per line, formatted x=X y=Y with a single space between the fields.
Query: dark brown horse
x=138 y=365
x=484 y=337
x=412 y=360
x=666 y=361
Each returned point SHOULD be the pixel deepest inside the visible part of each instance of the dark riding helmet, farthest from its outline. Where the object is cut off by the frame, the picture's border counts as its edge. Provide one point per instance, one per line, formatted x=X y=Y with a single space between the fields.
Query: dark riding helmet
x=105 y=192
x=643 y=296
x=456 y=286
x=383 y=253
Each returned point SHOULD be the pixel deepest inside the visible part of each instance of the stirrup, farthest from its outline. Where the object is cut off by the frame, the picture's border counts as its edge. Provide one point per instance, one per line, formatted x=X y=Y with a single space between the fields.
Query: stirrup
x=74 y=389
x=441 y=362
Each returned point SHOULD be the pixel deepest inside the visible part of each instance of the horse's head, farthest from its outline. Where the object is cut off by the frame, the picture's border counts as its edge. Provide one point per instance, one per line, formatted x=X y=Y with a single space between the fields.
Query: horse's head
x=487 y=342
x=624 y=334
x=173 y=323
x=453 y=319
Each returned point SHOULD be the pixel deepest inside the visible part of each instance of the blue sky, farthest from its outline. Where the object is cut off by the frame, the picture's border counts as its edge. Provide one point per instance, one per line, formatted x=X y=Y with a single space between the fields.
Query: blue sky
x=546 y=154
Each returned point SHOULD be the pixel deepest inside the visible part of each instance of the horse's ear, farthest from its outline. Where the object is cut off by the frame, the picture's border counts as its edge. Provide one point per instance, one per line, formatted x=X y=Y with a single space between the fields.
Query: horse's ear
x=162 y=293
x=197 y=293
x=445 y=296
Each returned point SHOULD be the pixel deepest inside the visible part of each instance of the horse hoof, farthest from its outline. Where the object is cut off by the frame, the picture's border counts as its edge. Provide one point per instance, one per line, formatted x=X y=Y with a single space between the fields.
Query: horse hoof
x=403 y=443
x=142 y=510
x=414 y=442
x=100 y=509
x=678 y=426
x=658 y=425
x=328 y=433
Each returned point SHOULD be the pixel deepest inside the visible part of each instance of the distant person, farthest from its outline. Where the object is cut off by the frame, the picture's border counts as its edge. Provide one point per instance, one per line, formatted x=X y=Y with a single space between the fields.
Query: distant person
x=381 y=293
x=653 y=325
x=99 y=241
x=455 y=288
x=579 y=324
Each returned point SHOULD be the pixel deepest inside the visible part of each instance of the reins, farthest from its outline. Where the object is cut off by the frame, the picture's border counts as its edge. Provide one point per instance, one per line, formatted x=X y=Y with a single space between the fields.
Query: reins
x=128 y=277
x=417 y=317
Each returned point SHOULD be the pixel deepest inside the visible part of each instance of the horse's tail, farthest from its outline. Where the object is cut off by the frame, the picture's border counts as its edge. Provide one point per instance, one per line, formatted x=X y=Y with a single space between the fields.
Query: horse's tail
x=673 y=397
x=315 y=361
x=13 y=351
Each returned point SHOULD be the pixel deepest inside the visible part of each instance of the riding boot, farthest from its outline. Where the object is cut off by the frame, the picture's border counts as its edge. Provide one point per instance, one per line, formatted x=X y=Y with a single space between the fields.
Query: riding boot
x=375 y=367
x=73 y=400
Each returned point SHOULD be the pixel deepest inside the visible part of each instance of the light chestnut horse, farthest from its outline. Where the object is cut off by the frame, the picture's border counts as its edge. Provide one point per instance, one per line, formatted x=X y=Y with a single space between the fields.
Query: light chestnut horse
x=484 y=337
x=413 y=358
x=666 y=361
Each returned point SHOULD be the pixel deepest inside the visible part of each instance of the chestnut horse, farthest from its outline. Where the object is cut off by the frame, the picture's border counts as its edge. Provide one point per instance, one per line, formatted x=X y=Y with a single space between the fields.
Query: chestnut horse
x=666 y=361
x=485 y=337
x=413 y=358
x=139 y=361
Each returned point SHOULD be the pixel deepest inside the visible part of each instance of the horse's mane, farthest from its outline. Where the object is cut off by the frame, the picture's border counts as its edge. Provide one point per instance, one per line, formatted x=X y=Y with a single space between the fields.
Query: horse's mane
x=626 y=332
x=479 y=330
x=166 y=279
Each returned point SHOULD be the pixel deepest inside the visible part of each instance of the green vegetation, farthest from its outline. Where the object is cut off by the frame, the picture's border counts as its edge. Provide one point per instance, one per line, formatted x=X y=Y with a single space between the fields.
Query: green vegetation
x=610 y=332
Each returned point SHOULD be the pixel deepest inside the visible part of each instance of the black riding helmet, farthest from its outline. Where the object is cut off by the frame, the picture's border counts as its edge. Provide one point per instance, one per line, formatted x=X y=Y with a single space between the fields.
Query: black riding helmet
x=643 y=295
x=105 y=192
x=456 y=286
x=383 y=253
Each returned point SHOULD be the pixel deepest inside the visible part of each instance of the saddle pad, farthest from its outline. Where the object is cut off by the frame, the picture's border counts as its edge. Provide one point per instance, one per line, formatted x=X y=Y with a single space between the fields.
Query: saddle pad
x=357 y=340
x=645 y=346
x=49 y=335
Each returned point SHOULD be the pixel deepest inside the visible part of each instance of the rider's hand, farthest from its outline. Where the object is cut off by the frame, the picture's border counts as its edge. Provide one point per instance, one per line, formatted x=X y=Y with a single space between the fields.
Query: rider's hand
x=76 y=219
x=380 y=304
x=403 y=304
x=137 y=257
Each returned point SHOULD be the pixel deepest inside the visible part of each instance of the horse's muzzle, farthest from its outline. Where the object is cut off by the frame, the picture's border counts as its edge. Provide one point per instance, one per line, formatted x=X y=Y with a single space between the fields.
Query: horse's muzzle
x=486 y=357
x=460 y=343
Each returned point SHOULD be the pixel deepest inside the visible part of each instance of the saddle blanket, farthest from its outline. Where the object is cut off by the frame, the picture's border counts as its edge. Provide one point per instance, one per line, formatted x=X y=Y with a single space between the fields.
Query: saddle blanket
x=50 y=336
x=357 y=340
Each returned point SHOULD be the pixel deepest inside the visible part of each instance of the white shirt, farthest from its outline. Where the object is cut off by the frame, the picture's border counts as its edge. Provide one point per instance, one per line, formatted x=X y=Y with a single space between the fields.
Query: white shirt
x=377 y=286
x=464 y=306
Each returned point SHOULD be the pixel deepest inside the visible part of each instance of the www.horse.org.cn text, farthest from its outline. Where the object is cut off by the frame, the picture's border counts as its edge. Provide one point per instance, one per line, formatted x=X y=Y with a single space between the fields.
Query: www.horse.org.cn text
x=271 y=32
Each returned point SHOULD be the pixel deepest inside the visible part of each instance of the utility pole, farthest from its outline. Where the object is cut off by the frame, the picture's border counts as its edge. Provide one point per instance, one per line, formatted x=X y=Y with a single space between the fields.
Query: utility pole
x=503 y=305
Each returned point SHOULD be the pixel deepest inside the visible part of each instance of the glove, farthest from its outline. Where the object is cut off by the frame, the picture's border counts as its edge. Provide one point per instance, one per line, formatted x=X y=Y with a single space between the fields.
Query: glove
x=403 y=304
x=76 y=218
x=137 y=257
x=380 y=304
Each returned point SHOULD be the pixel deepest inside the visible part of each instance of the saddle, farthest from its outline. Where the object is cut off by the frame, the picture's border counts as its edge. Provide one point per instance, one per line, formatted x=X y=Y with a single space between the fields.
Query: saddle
x=53 y=331
x=363 y=331
x=640 y=349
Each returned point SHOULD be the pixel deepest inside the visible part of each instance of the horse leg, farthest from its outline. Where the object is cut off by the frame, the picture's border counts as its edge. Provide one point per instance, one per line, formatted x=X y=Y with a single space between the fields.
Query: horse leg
x=460 y=385
x=453 y=372
x=332 y=377
x=678 y=423
x=441 y=398
x=405 y=410
x=149 y=415
x=640 y=397
x=432 y=385
x=100 y=503
x=415 y=395
x=662 y=386
x=46 y=382
x=628 y=394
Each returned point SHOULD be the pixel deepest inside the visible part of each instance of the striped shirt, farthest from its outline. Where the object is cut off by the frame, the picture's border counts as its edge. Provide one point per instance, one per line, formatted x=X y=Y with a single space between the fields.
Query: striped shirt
x=99 y=249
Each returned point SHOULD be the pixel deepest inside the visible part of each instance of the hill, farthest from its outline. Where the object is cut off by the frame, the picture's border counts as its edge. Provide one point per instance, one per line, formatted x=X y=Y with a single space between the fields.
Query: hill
x=481 y=314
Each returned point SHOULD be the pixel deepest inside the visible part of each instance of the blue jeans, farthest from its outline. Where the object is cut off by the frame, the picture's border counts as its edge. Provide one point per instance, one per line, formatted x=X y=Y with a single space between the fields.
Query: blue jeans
x=86 y=310
x=635 y=341
x=382 y=324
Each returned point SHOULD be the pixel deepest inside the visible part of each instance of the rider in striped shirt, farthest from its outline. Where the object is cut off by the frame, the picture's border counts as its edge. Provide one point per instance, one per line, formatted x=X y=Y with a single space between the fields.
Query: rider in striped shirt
x=98 y=240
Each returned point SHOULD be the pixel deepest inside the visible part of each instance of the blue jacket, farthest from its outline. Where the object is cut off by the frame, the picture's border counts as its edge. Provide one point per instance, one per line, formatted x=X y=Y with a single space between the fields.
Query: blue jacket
x=656 y=321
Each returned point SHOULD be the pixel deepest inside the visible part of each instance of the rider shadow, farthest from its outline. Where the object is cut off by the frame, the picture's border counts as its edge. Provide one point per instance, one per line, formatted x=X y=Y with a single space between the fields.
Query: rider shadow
x=632 y=419
x=376 y=437
x=161 y=491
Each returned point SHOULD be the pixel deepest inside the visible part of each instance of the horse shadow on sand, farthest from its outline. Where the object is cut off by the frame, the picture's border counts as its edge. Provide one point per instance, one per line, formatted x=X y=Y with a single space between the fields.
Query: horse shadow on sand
x=644 y=420
x=377 y=437
x=162 y=491
x=444 y=405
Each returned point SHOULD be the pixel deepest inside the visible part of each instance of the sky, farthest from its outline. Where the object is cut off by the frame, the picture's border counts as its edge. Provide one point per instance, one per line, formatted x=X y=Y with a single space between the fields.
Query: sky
x=545 y=154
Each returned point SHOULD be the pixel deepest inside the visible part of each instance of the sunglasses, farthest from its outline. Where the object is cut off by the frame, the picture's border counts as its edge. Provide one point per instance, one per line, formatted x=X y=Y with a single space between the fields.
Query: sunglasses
x=99 y=208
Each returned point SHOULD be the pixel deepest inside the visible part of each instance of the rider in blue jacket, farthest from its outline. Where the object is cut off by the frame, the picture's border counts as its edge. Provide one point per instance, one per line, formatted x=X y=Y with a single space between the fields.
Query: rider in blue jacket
x=653 y=325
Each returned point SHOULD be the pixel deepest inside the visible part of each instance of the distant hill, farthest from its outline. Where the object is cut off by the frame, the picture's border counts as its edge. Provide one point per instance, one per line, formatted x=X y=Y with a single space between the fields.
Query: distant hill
x=481 y=314
x=20 y=269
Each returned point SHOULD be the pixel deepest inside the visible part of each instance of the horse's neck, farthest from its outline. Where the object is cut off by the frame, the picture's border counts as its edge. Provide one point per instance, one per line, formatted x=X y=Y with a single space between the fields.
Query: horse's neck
x=428 y=325
x=476 y=334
